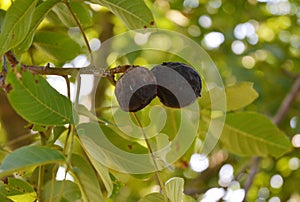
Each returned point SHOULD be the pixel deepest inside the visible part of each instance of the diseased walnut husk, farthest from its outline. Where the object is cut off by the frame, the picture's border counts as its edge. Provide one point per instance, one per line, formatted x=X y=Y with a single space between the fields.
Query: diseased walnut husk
x=178 y=85
x=135 y=89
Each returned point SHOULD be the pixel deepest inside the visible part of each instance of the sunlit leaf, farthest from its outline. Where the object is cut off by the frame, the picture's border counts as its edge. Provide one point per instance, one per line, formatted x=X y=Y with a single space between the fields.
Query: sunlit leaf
x=252 y=134
x=238 y=96
x=187 y=198
x=37 y=102
x=2 y=17
x=154 y=197
x=5 y=199
x=134 y=13
x=29 y=156
x=81 y=11
x=18 y=190
x=39 y=14
x=103 y=172
x=58 y=46
x=16 y=24
x=114 y=152
x=174 y=189
x=82 y=110
x=86 y=179
x=61 y=191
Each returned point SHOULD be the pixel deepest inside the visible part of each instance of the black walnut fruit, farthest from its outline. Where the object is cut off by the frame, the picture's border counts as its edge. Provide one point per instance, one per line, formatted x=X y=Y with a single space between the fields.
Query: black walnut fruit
x=135 y=89
x=178 y=85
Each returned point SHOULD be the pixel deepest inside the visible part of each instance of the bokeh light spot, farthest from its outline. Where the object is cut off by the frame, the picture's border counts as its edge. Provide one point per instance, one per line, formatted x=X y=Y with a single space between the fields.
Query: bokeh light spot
x=296 y=140
x=238 y=47
x=234 y=195
x=248 y=62
x=274 y=199
x=95 y=44
x=293 y=122
x=177 y=17
x=276 y=181
x=205 y=21
x=191 y=3
x=294 y=163
x=225 y=175
x=141 y=38
x=213 y=194
x=243 y=30
x=213 y=40
x=194 y=30
x=263 y=193
x=199 y=162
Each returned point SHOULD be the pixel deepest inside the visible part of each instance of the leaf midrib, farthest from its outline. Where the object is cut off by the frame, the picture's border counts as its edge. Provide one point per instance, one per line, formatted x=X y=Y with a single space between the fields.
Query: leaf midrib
x=42 y=103
x=16 y=24
x=124 y=10
x=255 y=138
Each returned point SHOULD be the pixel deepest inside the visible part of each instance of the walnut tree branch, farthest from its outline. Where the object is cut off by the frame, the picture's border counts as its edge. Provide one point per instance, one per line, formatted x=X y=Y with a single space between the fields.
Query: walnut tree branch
x=288 y=100
x=282 y=110
x=59 y=71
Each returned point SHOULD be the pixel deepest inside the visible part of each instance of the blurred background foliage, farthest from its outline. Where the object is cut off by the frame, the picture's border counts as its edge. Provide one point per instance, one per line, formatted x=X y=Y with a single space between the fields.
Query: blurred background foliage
x=254 y=40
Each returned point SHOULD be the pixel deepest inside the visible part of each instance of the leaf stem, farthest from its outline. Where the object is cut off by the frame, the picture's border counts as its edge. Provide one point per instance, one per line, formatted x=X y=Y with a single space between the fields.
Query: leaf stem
x=68 y=152
x=40 y=182
x=161 y=184
x=68 y=86
x=81 y=30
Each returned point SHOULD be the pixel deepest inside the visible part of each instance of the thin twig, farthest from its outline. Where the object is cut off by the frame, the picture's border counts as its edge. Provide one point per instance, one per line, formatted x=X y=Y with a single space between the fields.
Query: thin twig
x=68 y=86
x=161 y=184
x=11 y=58
x=40 y=182
x=282 y=110
x=288 y=100
x=68 y=148
x=59 y=71
x=253 y=171
x=81 y=30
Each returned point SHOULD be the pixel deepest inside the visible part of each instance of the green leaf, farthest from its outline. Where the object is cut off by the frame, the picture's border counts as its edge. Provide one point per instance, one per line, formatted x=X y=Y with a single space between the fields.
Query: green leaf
x=4 y=199
x=174 y=189
x=134 y=13
x=153 y=197
x=103 y=172
x=16 y=24
x=2 y=17
x=29 y=156
x=58 y=46
x=37 y=102
x=252 y=134
x=64 y=191
x=240 y=95
x=39 y=14
x=105 y=151
x=86 y=179
x=81 y=11
x=237 y=96
x=82 y=110
x=18 y=190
